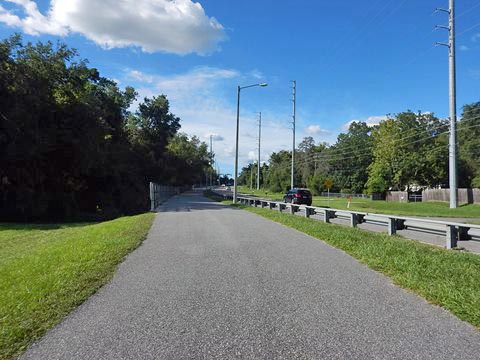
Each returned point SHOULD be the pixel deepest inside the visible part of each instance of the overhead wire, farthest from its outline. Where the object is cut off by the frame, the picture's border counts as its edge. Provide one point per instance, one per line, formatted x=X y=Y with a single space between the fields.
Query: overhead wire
x=334 y=157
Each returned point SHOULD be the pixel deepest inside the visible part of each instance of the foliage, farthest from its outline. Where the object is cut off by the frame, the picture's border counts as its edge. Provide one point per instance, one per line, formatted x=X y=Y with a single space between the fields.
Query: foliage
x=350 y=157
x=409 y=149
x=70 y=146
x=278 y=178
x=316 y=184
x=406 y=151
x=469 y=146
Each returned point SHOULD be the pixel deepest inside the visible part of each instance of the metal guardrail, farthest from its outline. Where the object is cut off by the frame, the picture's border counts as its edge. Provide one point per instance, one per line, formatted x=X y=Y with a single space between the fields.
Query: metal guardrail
x=453 y=231
x=160 y=193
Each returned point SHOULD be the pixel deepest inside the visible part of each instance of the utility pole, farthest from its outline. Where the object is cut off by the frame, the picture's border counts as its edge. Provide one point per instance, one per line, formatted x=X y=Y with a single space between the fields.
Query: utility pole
x=251 y=175
x=452 y=102
x=259 y=142
x=293 y=147
x=211 y=154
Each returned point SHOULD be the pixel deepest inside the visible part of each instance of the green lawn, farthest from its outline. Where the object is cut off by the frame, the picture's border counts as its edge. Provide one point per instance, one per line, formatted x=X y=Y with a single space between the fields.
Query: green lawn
x=447 y=278
x=48 y=270
x=436 y=209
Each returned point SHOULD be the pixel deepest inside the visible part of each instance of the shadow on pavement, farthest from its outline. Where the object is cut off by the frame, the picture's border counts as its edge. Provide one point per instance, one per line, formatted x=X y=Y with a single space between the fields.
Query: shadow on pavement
x=191 y=201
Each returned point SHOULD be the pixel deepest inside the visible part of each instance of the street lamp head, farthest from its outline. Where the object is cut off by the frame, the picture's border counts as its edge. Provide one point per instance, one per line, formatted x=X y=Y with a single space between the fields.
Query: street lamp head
x=263 y=84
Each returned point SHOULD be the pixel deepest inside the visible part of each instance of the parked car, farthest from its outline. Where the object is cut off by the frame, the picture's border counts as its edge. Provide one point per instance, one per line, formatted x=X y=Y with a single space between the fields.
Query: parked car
x=298 y=196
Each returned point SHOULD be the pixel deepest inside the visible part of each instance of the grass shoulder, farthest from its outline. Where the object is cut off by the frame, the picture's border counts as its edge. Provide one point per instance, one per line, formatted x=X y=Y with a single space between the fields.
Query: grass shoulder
x=446 y=278
x=48 y=270
x=427 y=209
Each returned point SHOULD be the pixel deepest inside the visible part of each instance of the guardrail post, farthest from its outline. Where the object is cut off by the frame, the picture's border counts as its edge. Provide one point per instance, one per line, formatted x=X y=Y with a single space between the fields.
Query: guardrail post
x=307 y=212
x=281 y=207
x=463 y=233
x=271 y=205
x=452 y=236
x=255 y=203
x=326 y=216
x=292 y=209
x=353 y=220
x=392 y=226
x=400 y=224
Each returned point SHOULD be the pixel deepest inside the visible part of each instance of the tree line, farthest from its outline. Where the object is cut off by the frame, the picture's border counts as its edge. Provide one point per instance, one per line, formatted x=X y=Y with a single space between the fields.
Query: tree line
x=407 y=151
x=71 y=148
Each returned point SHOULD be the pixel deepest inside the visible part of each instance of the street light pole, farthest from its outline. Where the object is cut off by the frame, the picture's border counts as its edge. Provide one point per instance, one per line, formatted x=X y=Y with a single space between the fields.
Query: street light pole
x=259 y=142
x=239 y=88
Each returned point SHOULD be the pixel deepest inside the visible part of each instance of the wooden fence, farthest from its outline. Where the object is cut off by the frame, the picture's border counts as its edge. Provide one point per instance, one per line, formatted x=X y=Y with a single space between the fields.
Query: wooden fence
x=397 y=196
x=465 y=196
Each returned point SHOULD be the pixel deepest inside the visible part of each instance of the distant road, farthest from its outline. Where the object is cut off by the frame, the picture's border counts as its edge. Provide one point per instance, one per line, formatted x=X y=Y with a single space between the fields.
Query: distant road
x=433 y=238
x=214 y=282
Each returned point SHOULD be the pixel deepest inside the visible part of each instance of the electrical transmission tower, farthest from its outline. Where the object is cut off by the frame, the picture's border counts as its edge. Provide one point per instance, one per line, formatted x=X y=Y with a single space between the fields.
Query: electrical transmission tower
x=453 y=101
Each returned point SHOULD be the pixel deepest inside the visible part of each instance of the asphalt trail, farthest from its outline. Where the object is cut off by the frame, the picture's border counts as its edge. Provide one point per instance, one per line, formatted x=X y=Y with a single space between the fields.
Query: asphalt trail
x=213 y=282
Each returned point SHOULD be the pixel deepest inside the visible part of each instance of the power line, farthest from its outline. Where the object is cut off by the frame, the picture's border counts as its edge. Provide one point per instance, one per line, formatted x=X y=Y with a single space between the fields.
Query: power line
x=334 y=157
x=468 y=10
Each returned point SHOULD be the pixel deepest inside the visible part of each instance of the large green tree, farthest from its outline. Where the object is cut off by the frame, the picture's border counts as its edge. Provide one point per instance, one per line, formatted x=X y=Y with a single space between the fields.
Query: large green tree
x=69 y=146
x=350 y=157
x=409 y=149
x=469 y=146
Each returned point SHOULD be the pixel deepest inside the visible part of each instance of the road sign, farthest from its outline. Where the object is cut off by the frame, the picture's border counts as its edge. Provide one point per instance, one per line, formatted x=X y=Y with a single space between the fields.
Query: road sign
x=328 y=183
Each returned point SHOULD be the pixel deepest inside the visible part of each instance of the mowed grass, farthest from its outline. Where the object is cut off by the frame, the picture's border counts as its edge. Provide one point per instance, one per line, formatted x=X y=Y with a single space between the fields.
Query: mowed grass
x=447 y=278
x=48 y=270
x=433 y=209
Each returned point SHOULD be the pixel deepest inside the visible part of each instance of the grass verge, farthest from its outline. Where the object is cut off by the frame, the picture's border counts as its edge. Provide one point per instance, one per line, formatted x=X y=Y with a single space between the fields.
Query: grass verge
x=445 y=278
x=48 y=270
x=435 y=209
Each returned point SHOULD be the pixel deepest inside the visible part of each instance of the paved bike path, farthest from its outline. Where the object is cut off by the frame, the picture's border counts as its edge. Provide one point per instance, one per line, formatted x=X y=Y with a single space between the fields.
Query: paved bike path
x=213 y=282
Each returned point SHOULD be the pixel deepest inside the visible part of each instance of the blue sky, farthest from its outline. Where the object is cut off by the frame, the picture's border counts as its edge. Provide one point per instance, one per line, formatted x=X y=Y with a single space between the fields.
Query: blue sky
x=352 y=60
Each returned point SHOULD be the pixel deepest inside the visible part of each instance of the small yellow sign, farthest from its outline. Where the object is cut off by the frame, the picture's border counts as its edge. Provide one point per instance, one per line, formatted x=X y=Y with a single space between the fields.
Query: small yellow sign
x=328 y=183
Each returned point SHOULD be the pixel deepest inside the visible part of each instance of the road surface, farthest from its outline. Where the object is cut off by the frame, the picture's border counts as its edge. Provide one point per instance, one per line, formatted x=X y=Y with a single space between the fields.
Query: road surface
x=214 y=282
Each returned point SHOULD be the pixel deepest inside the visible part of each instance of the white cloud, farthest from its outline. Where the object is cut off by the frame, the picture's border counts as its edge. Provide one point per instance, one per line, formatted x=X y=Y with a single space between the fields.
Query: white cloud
x=179 y=87
x=34 y=22
x=176 y=26
x=371 y=121
x=140 y=76
x=315 y=130
x=256 y=74
x=464 y=47
x=199 y=97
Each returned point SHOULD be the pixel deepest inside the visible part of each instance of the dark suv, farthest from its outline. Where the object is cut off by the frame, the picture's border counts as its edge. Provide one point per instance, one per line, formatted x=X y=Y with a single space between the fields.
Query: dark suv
x=298 y=196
